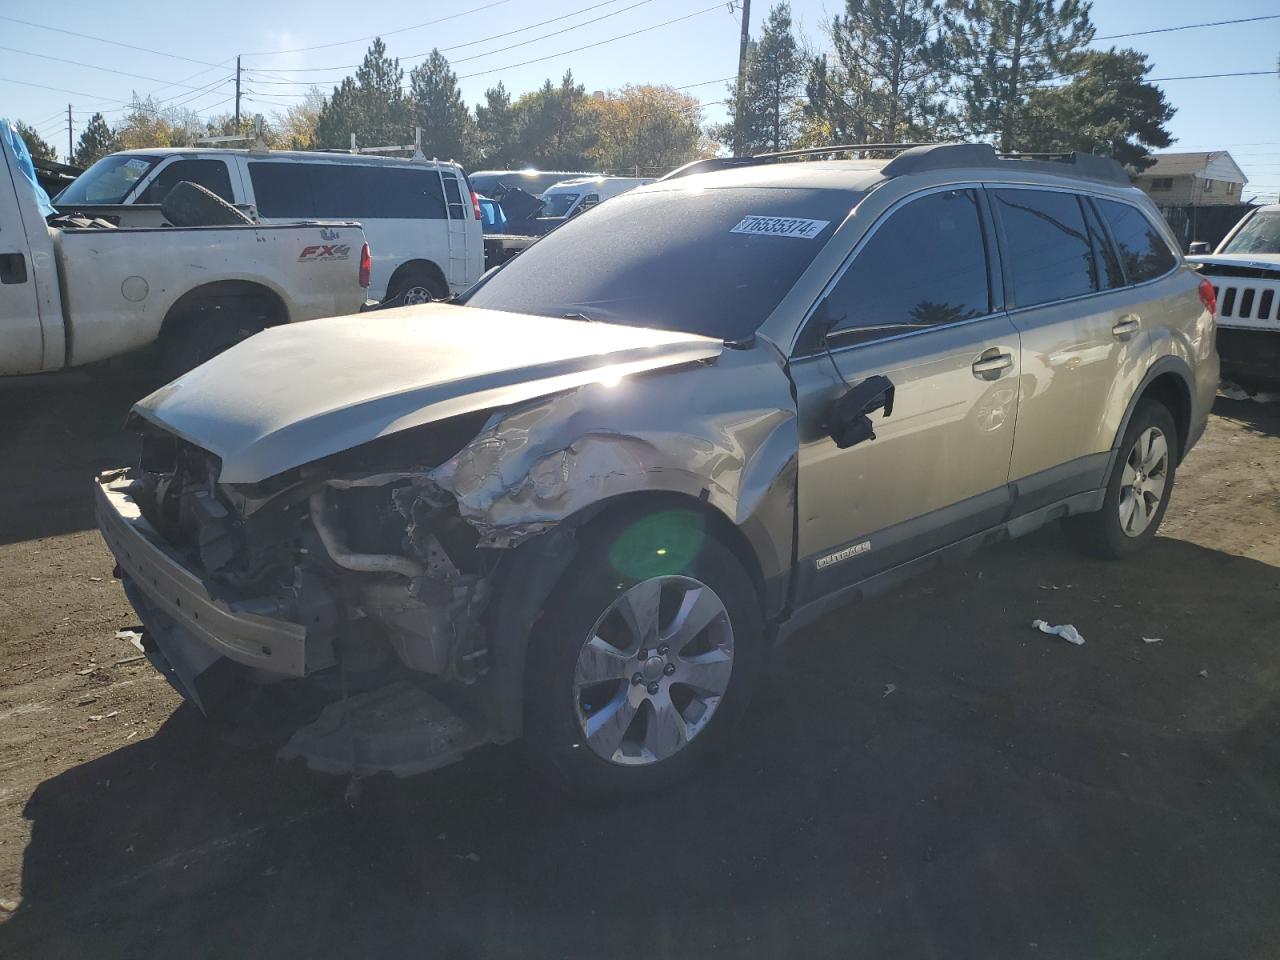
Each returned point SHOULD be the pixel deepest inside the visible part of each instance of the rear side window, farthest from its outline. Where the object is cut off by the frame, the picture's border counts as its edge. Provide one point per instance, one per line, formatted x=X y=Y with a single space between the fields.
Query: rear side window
x=1107 y=266
x=926 y=265
x=342 y=191
x=457 y=208
x=1049 y=254
x=1142 y=249
x=210 y=174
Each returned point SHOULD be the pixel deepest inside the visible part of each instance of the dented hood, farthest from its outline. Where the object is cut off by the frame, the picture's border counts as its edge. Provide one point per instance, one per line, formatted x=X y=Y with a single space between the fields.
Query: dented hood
x=295 y=393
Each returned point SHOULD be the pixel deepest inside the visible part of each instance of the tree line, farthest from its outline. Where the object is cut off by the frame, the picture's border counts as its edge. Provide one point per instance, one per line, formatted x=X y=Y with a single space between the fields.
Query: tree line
x=1016 y=73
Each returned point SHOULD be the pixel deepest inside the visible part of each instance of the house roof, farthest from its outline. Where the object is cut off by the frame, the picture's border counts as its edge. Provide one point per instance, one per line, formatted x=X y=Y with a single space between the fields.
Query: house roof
x=1188 y=164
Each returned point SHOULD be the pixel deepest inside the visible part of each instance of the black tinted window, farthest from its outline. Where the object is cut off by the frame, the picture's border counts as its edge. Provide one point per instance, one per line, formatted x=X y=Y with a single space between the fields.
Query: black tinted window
x=210 y=174
x=1104 y=254
x=924 y=266
x=1143 y=251
x=714 y=262
x=346 y=191
x=1049 y=254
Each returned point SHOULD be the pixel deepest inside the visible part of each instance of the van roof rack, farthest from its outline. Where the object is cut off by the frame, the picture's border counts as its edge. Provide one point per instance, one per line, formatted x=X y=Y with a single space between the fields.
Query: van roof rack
x=921 y=157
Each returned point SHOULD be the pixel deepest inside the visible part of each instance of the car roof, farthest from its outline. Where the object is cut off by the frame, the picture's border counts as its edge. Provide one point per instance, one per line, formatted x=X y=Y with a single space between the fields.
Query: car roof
x=323 y=156
x=856 y=175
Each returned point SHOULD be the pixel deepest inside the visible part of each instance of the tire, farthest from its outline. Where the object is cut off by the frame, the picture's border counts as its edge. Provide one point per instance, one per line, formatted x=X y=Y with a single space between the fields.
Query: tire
x=1131 y=512
x=199 y=335
x=416 y=286
x=659 y=703
x=188 y=204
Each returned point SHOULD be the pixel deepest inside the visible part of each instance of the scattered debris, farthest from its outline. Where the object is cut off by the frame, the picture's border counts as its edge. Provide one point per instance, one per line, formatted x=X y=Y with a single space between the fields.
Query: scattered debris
x=889 y=688
x=1204 y=674
x=130 y=634
x=87 y=670
x=95 y=579
x=85 y=701
x=7 y=905
x=473 y=857
x=121 y=663
x=132 y=734
x=1234 y=392
x=1066 y=631
x=1153 y=640
x=104 y=716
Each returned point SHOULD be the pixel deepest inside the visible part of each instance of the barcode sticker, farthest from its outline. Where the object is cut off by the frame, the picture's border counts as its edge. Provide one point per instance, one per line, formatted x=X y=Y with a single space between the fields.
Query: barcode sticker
x=781 y=226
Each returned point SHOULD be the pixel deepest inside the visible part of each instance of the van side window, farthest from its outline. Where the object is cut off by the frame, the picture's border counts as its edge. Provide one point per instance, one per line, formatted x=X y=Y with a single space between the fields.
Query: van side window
x=926 y=265
x=346 y=191
x=1049 y=254
x=457 y=209
x=210 y=174
x=1104 y=253
x=1143 y=251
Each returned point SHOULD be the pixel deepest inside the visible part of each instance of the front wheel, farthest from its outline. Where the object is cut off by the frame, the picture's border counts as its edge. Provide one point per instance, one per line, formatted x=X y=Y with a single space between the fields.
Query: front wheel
x=646 y=658
x=1138 y=489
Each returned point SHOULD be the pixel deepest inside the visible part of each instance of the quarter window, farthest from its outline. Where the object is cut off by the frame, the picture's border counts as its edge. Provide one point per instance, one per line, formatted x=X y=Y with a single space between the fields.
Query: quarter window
x=925 y=266
x=1142 y=249
x=1049 y=254
x=1112 y=275
x=346 y=191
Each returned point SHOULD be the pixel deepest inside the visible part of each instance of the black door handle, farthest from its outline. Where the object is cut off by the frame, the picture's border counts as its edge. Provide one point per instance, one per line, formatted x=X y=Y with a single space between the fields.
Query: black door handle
x=13 y=268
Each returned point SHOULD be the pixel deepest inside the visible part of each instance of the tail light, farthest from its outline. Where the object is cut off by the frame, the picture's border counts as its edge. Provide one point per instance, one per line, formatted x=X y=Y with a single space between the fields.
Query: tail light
x=1208 y=297
x=366 y=265
x=475 y=205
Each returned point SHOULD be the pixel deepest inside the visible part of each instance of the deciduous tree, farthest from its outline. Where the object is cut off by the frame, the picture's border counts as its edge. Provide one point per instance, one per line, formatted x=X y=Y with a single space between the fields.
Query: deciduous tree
x=646 y=130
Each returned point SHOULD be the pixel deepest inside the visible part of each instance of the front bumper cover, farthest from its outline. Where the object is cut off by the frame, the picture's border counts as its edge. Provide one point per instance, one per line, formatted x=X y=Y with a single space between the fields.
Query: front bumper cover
x=184 y=613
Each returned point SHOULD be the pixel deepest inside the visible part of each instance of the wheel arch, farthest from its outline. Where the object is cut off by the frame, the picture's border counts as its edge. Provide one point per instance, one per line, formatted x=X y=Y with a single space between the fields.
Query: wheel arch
x=276 y=310
x=535 y=568
x=1169 y=381
x=429 y=267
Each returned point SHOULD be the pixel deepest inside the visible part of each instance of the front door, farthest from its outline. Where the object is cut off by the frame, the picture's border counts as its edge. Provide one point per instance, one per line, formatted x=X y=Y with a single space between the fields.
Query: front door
x=22 y=340
x=914 y=305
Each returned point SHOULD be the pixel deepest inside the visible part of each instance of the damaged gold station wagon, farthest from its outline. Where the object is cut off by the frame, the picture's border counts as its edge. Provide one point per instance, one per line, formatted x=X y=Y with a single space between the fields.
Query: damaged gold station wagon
x=579 y=507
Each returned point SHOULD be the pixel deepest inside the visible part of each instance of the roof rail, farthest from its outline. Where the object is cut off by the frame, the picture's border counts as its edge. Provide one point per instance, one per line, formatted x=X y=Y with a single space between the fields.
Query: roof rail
x=726 y=163
x=922 y=157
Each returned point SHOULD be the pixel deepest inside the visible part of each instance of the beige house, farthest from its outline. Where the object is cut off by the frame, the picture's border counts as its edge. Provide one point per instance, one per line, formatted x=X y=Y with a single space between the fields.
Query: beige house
x=1193 y=179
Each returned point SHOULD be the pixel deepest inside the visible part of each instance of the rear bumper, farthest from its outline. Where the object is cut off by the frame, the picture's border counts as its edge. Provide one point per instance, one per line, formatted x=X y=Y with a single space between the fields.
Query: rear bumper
x=183 y=612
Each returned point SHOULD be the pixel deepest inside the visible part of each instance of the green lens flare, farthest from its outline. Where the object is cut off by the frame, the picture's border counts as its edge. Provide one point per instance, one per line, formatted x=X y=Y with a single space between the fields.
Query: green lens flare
x=657 y=545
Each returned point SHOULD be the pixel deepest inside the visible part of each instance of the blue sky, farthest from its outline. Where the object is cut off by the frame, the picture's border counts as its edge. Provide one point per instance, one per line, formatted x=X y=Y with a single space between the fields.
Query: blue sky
x=1241 y=114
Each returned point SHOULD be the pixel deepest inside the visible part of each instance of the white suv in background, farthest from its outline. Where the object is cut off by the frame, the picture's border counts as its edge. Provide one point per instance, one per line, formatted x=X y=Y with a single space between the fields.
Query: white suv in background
x=420 y=216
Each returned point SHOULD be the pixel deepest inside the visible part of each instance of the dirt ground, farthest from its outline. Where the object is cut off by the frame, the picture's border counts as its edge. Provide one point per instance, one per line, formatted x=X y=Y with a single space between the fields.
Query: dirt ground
x=925 y=776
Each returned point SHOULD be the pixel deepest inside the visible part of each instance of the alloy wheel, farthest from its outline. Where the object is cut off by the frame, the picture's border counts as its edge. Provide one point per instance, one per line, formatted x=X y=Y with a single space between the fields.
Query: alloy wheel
x=1143 y=481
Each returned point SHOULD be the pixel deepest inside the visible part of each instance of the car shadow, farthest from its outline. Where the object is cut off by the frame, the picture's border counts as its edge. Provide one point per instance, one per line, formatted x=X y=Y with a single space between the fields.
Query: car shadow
x=56 y=432
x=1255 y=416
x=925 y=775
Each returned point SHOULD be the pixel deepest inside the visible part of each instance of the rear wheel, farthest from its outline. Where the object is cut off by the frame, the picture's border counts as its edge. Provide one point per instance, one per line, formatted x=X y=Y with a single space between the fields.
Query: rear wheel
x=417 y=286
x=646 y=658
x=202 y=333
x=1138 y=489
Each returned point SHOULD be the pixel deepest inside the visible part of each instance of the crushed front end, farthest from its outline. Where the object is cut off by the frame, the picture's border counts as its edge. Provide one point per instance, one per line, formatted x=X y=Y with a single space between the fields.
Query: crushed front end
x=349 y=590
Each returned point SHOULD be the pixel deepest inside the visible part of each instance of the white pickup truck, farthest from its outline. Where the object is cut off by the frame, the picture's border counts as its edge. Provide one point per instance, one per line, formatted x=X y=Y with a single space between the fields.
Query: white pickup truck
x=1245 y=272
x=71 y=296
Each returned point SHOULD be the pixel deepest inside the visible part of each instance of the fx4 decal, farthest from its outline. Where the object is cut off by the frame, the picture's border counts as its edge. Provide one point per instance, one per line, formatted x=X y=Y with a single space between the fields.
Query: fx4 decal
x=325 y=251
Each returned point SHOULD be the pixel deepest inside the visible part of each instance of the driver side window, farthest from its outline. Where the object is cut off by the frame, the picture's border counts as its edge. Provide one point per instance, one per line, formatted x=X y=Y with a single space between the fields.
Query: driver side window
x=924 y=266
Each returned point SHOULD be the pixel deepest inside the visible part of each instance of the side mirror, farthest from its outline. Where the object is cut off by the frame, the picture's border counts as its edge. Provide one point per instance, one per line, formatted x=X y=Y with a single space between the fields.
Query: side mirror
x=849 y=421
x=1198 y=247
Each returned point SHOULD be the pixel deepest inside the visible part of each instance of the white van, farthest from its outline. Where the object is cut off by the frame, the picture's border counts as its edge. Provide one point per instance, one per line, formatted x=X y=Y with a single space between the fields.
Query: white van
x=420 y=216
x=571 y=197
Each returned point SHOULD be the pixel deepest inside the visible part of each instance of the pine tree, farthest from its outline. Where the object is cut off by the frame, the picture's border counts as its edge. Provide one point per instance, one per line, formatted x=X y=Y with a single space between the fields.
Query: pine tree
x=95 y=142
x=1007 y=48
x=497 y=131
x=372 y=105
x=766 y=104
x=37 y=146
x=555 y=125
x=448 y=130
x=1108 y=109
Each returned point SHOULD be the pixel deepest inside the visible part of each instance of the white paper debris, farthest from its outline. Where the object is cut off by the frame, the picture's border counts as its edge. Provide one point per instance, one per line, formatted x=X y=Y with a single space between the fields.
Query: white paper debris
x=1153 y=640
x=889 y=688
x=1066 y=631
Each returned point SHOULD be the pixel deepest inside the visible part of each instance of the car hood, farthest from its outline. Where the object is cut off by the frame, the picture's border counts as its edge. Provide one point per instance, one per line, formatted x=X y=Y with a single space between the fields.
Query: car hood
x=295 y=393
x=1257 y=261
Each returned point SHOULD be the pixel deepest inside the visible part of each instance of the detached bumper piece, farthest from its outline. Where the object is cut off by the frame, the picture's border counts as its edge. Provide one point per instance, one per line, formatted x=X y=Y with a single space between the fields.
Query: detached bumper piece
x=399 y=728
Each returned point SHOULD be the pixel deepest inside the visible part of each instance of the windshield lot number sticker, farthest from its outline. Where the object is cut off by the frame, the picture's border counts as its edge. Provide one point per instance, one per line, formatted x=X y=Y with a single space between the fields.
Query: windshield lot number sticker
x=781 y=227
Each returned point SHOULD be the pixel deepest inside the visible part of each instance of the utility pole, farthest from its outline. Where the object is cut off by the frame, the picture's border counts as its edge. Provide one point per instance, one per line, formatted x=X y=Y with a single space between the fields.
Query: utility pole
x=70 y=145
x=738 y=133
x=237 y=93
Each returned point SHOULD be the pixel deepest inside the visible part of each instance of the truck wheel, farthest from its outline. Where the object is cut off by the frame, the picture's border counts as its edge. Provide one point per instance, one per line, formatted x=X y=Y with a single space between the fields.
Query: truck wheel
x=646 y=658
x=417 y=286
x=200 y=335
x=1137 y=492
x=188 y=204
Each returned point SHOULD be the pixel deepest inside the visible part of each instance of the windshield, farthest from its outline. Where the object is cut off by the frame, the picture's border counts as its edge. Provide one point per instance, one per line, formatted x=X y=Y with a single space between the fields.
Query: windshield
x=558 y=204
x=107 y=181
x=491 y=182
x=713 y=262
x=1261 y=234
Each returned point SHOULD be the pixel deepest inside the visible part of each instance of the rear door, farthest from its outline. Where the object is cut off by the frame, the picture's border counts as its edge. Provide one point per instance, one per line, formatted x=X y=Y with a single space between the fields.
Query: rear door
x=466 y=244
x=918 y=304
x=1084 y=349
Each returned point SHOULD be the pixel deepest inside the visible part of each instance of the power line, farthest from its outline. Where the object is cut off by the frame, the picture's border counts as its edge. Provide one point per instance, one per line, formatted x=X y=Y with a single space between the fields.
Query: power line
x=1188 y=26
x=117 y=43
x=472 y=43
x=384 y=33
x=91 y=66
x=598 y=43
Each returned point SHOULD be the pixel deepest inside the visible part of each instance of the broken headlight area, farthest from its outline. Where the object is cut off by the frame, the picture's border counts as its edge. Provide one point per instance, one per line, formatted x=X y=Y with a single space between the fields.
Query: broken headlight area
x=362 y=551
